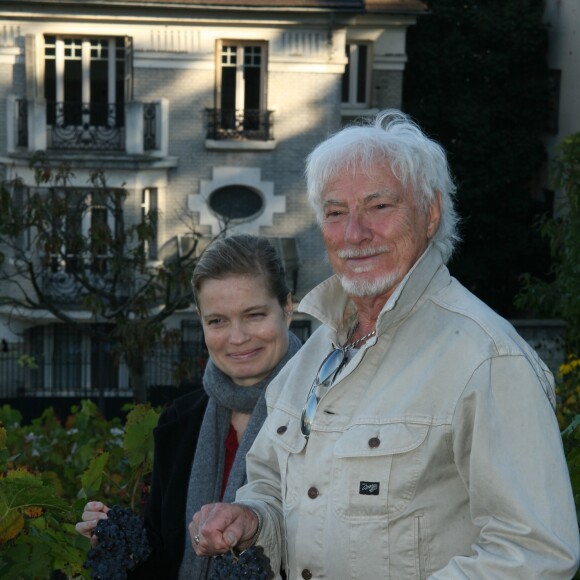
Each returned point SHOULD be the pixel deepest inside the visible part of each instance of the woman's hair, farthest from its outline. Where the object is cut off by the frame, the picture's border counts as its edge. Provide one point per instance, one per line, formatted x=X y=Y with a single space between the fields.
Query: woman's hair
x=242 y=255
x=416 y=161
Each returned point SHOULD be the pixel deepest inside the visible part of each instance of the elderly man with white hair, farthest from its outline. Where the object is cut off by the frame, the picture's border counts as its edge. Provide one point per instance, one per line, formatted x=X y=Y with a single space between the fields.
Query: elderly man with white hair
x=414 y=434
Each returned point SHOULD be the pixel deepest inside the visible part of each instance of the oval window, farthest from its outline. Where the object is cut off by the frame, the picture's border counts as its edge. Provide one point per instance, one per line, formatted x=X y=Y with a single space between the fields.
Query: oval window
x=235 y=202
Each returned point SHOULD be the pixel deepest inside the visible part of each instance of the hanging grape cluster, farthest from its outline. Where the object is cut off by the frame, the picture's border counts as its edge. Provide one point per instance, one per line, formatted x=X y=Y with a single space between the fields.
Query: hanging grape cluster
x=122 y=543
x=250 y=564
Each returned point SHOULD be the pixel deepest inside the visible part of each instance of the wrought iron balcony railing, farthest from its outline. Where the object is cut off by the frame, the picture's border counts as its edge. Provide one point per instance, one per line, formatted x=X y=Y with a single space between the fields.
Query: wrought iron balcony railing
x=63 y=274
x=74 y=125
x=240 y=124
x=132 y=128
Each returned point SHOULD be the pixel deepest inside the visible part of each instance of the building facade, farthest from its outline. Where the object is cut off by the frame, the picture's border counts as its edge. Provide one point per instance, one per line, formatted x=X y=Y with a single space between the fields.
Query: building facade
x=204 y=111
x=563 y=20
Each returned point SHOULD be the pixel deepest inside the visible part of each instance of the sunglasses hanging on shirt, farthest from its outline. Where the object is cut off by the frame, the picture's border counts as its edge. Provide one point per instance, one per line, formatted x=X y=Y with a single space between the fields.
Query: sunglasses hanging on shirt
x=325 y=377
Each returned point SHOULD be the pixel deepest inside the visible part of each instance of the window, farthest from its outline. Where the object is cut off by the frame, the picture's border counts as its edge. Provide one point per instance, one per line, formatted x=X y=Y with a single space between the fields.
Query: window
x=67 y=358
x=85 y=229
x=236 y=202
x=240 y=92
x=104 y=367
x=69 y=361
x=287 y=249
x=356 y=78
x=20 y=195
x=73 y=233
x=241 y=84
x=149 y=214
x=86 y=84
x=302 y=329
x=193 y=348
x=100 y=231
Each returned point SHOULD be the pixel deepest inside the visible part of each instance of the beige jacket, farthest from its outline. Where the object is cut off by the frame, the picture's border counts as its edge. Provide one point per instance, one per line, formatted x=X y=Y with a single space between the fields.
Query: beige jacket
x=436 y=454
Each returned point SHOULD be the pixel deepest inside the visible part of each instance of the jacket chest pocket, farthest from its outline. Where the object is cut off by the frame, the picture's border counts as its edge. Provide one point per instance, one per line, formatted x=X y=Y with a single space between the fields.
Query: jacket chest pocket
x=376 y=469
x=288 y=442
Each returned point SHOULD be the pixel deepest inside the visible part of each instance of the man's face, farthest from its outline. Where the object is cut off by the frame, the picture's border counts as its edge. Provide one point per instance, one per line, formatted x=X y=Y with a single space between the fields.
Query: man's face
x=373 y=230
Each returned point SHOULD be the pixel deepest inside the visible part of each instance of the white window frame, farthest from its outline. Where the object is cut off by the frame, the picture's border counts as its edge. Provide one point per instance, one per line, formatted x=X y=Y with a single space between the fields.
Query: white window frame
x=352 y=52
x=240 y=46
x=80 y=48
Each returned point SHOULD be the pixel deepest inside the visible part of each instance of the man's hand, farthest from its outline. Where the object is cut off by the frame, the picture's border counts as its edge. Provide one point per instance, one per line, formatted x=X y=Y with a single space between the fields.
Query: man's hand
x=218 y=527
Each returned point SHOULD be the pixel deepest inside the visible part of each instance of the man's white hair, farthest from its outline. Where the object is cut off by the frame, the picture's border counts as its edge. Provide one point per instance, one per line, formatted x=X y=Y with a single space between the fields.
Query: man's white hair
x=393 y=139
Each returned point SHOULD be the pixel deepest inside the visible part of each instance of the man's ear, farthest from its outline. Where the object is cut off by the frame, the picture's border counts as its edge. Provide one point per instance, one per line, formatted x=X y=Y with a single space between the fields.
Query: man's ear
x=434 y=215
x=288 y=309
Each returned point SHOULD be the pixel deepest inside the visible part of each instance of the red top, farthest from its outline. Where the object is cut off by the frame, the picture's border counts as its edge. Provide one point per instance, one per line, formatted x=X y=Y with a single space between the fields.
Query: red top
x=231 y=448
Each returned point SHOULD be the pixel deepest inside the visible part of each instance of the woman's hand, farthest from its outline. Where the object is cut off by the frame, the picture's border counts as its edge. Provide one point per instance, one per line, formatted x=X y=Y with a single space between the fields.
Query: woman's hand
x=92 y=513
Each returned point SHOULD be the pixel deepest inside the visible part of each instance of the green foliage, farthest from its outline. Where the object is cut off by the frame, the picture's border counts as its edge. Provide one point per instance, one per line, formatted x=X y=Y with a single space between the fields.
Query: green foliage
x=138 y=444
x=49 y=469
x=27 y=361
x=568 y=412
x=568 y=392
x=560 y=297
x=478 y=82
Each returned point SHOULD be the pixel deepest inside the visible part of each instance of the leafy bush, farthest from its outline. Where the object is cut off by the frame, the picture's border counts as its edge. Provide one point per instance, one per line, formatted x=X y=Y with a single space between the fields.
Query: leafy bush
x=568 y=413
x=568 y=391
x=48 y=470
x=559 y=297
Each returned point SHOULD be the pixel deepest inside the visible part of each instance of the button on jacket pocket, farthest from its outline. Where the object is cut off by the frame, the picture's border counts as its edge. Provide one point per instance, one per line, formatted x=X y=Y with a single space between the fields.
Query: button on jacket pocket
x=376 y=468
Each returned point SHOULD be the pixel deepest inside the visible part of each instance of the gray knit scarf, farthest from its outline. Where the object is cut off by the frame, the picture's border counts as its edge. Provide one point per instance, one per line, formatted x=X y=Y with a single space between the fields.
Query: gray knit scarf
x=207 y=470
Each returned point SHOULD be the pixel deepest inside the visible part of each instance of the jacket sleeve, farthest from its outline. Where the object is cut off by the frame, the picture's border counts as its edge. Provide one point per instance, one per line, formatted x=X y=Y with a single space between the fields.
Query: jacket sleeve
x=263 y=493
x=175 y=437
x=154 y=565
x=508 y=451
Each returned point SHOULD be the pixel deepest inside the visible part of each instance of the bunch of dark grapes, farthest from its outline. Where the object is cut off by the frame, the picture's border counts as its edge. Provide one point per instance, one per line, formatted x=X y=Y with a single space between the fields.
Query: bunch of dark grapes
x=122 y=543
x=251 y=563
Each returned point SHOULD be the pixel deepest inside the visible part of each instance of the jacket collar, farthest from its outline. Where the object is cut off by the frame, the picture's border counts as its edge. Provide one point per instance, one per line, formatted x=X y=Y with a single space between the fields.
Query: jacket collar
x=331 y=305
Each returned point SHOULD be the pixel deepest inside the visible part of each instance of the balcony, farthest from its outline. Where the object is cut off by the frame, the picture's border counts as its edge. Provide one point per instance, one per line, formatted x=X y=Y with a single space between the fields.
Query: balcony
x=132 y=129
x=239 y=129
x=85 y=126
x=67 y=279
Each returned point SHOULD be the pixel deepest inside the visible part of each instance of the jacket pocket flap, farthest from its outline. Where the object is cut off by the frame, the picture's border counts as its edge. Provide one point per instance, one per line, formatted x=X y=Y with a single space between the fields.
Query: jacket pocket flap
x=373 y=440
x=284 y=430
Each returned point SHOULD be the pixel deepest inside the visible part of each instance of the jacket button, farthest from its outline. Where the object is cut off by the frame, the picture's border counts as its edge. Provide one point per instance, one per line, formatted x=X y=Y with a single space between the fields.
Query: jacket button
x=374 y=442
x=281 y=430
x=306 y=574
x=312 y=493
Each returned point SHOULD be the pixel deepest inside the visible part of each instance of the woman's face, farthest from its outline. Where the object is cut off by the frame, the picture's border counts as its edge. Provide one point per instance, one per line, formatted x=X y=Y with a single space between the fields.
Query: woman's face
x=245 y=329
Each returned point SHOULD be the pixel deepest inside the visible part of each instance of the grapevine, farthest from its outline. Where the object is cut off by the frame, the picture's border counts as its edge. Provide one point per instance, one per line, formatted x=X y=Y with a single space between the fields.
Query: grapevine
x=122 y=543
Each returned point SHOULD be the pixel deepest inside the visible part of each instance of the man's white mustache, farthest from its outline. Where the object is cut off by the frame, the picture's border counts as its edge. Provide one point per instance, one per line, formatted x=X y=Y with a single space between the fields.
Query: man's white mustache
x=362 y=253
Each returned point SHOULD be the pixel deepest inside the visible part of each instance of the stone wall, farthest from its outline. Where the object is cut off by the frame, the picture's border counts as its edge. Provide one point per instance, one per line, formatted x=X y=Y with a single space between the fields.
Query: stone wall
x=546 y=337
